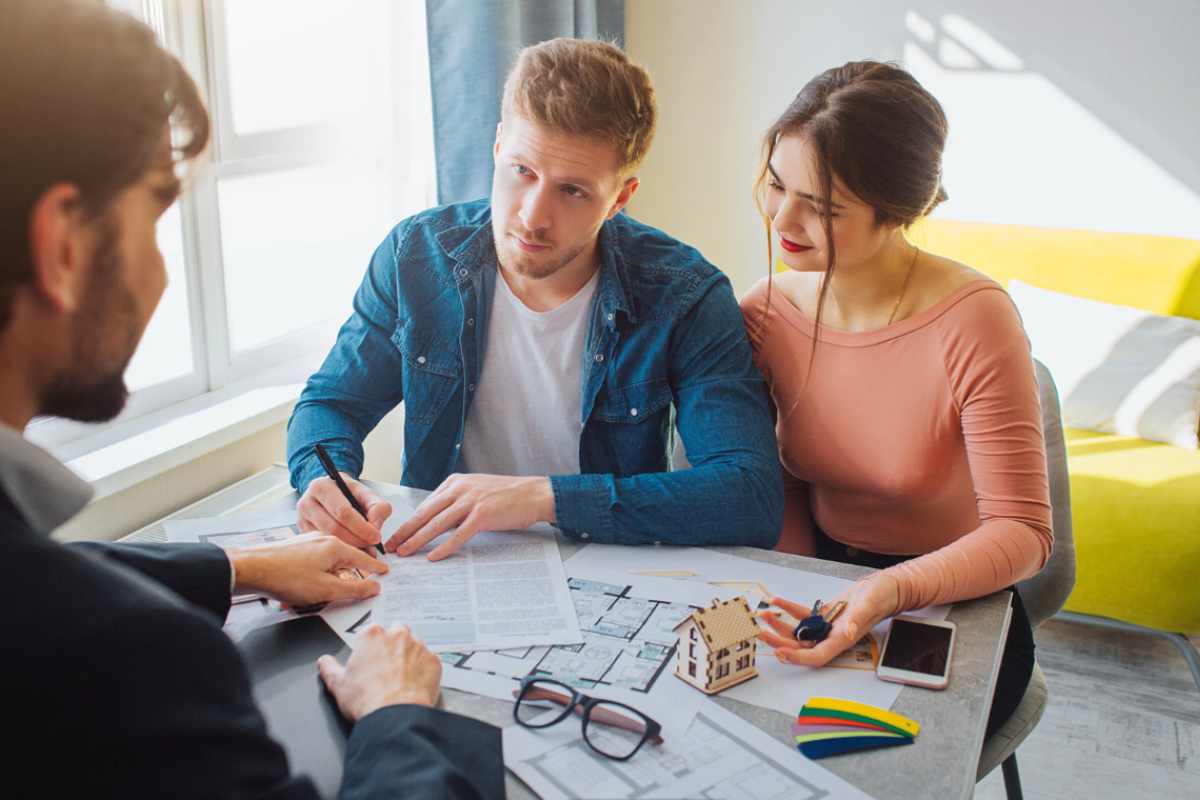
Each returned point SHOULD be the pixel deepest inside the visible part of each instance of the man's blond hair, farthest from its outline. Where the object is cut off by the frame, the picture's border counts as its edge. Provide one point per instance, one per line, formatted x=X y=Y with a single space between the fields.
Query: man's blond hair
x=585 y=88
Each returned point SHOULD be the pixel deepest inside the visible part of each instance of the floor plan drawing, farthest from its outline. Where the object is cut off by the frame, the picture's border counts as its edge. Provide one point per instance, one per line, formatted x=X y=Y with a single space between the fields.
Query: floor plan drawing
x=779 y=686
x=627 y=653
x=721 y=757
x=628 y=643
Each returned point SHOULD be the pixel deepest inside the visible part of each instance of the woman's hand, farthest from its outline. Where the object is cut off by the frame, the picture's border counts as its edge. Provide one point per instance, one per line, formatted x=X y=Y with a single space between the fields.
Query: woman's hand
x=868 y=602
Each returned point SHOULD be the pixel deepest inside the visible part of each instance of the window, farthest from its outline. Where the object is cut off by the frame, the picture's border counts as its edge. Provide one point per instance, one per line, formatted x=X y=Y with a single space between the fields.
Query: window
x=722 y=669
x=743 y=645
x=692 y=669
x=691 y=651
x=743 y=662
x=692 y=632
x=322 y=141
x=724 y=653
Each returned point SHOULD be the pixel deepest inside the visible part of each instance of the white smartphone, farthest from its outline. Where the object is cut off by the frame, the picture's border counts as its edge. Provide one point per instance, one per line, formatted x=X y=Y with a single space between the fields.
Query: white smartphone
x=917 y=652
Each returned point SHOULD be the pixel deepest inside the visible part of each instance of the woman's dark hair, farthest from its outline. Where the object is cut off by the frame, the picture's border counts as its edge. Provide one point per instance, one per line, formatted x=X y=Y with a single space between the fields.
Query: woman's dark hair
x=86 y=94
x=879 y=131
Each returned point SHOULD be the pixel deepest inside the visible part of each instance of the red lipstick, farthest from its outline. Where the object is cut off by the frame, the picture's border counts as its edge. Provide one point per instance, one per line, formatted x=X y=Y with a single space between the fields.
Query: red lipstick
x=792 y=247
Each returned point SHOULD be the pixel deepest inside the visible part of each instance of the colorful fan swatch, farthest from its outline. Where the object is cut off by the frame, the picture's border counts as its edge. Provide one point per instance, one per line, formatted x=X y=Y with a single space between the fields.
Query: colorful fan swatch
x=829 y=726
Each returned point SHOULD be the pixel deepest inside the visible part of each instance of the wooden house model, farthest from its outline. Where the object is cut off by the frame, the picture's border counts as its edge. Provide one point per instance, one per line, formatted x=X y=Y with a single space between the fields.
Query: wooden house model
x=716 y=646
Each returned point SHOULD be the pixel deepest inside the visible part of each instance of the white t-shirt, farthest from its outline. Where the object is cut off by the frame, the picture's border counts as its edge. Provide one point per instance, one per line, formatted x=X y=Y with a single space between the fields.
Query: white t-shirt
x=525 y=416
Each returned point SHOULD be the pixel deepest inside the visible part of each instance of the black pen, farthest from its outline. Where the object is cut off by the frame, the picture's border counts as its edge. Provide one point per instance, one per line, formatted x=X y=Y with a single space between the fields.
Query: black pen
x=333 y=474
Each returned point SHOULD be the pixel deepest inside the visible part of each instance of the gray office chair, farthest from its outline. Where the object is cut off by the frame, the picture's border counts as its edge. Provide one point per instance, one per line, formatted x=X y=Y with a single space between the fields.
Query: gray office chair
x=1043 y=595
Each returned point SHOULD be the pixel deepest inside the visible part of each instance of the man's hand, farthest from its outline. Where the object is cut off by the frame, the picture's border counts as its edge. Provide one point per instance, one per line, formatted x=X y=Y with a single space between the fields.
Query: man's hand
x=324 y=509
x=386 y=668
x=473 y=503
x=868 y=602
x=313 y=569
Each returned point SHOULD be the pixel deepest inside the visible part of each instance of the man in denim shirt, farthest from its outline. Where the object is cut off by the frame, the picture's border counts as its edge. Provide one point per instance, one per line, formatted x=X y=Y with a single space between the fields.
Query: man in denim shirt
x=545 y=345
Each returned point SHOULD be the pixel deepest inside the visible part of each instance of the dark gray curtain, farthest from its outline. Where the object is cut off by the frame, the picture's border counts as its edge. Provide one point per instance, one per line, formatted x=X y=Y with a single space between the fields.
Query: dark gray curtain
x=472 y=44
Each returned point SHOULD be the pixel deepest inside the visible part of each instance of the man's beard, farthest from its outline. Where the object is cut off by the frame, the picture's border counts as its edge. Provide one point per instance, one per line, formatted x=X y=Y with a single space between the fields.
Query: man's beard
x=513 y=260
x=92 y=388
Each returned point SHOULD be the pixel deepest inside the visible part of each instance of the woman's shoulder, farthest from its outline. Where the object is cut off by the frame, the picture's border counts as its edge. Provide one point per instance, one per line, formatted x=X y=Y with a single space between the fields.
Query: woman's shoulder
x=944 y=279
x=756 y=295
x=785 y=286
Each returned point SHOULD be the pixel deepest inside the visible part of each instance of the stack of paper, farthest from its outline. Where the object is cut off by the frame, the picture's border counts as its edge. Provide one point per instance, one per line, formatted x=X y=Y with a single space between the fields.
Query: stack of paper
x=828 y=726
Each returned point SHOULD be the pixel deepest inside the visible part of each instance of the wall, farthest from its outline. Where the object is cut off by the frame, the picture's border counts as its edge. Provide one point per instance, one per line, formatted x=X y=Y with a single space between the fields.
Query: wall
x=1067 y=114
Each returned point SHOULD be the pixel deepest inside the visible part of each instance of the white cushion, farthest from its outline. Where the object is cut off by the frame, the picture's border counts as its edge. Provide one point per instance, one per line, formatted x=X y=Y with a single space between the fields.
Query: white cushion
x=1118 y=369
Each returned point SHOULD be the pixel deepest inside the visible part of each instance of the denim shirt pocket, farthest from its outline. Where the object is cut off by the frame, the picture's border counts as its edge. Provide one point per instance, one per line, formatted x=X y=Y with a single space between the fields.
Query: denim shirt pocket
x=634 y=404
x=635 y=420
x=431 y=369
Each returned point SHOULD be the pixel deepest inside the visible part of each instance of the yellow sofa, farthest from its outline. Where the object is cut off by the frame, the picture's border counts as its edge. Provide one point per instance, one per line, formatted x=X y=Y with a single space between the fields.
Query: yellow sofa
x=1135 y=503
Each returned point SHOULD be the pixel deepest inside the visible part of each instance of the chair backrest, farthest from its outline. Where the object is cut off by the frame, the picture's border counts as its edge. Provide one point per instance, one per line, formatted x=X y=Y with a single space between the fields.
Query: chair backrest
x=1045 y=593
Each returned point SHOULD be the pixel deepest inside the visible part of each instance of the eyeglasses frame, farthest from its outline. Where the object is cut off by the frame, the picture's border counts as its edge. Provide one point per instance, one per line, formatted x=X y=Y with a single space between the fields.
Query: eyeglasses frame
x=586 y=705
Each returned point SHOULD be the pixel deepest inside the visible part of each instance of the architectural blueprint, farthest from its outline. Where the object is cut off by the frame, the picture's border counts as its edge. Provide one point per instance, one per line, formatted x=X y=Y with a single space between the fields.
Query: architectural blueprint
x=627 y=654
x=720 y=757
x=781 y=687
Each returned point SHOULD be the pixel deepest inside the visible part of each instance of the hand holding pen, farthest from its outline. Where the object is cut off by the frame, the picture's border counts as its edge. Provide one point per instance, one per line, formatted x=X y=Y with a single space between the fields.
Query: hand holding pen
x=343 y=507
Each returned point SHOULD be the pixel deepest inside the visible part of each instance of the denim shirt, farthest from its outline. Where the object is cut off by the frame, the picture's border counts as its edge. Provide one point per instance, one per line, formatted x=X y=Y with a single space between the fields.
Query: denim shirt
x=665 y=349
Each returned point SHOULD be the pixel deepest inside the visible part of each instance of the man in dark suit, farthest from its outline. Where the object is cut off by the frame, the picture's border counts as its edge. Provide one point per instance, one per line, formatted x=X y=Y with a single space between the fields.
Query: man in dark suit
x=117 y=678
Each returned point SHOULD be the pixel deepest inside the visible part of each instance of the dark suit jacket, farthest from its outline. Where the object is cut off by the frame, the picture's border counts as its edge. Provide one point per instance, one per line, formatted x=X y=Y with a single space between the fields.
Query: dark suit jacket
x=120 y=683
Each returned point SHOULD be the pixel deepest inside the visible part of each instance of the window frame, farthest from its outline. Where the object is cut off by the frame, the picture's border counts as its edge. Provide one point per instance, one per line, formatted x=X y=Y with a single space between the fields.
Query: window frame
x=194 y=30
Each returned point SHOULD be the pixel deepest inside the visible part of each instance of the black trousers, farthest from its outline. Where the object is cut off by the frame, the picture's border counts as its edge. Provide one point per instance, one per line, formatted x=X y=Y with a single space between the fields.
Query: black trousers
x=1016 y=665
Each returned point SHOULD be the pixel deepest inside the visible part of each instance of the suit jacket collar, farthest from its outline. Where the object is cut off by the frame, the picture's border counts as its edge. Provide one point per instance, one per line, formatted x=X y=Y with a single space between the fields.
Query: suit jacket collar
x=40 y=487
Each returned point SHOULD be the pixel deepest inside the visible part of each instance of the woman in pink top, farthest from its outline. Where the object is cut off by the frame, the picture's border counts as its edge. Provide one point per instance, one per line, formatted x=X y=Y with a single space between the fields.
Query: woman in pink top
x=908 y=417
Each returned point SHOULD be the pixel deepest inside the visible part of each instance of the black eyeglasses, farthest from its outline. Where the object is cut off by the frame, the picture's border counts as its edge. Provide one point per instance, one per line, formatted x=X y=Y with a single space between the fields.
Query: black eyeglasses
x=621 y=732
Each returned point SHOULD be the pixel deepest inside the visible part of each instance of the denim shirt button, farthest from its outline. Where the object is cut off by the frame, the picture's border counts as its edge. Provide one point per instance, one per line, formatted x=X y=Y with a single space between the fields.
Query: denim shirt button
x=458 y=445
x=633 y=412
x=470 y=387
x=470 y=322
x=585 y=535
x=420 y=359
x=462 y=273
x=599 y=357
x=611 y=317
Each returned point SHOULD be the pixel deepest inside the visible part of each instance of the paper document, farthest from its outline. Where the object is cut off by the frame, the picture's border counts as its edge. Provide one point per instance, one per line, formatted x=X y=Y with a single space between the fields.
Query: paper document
x=781 y=687
x=720 y=756
x=222 y=531
x=500 y=590
x=627 y=655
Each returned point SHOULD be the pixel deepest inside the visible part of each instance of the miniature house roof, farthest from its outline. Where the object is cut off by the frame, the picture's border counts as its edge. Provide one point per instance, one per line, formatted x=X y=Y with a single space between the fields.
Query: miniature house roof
x=724 y=624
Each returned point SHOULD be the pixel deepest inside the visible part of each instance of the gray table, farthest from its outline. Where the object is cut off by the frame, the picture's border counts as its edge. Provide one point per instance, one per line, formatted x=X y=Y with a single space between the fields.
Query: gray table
x=942 y=762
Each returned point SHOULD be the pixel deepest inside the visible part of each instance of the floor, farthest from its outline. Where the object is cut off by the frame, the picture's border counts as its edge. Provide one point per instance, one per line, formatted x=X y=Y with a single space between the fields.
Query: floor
x=1123 y=720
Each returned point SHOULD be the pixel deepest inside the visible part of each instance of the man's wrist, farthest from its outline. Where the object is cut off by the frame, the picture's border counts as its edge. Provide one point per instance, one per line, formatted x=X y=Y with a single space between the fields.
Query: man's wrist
x=410 y=698
x=232 y=575
x=546 y=508
x=246 y=566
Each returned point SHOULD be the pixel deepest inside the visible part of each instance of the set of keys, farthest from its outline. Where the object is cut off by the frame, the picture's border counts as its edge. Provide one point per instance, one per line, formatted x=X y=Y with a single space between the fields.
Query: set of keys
x=816 y=627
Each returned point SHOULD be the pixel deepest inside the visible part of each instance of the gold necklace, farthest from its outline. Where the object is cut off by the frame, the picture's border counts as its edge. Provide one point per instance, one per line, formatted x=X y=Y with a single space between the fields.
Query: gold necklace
x=904 y=288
